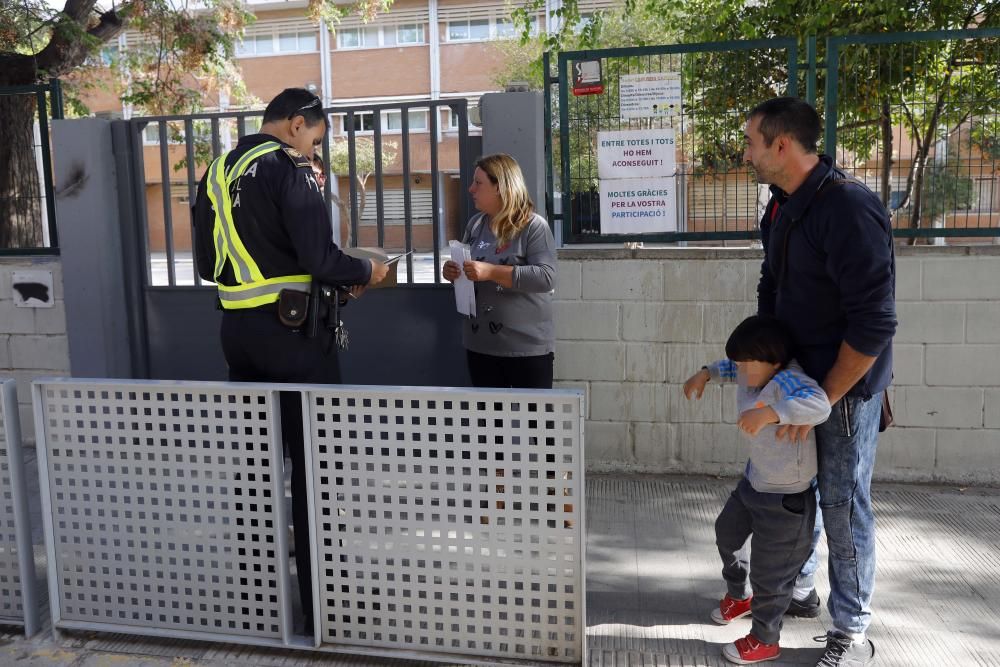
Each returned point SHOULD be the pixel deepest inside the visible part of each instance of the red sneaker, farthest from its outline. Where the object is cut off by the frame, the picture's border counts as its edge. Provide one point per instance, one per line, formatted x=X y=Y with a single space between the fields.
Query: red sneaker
x=748 y=650
x=730 y=609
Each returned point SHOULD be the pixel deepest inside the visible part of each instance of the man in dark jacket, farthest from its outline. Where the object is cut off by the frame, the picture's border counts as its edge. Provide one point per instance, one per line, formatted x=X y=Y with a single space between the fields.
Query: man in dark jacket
x=263 y=228
x=829 y=274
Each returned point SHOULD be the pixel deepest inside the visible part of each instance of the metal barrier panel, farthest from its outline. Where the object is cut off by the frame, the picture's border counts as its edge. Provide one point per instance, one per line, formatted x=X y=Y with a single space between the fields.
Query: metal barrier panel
x=18 y=598
x=164 y=508
x=449 y=521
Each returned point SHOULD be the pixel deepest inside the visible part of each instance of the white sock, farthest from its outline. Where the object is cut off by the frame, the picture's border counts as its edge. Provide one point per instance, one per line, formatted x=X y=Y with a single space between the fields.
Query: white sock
x=800 y=593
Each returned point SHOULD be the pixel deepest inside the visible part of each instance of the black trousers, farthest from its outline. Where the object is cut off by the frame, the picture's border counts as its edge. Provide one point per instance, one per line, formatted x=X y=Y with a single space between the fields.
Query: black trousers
x=258 y=348
x=781 y=525
x=487 y=370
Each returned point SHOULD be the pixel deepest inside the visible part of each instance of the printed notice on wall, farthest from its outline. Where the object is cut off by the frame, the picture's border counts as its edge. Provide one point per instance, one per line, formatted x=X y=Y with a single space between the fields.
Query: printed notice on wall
x=657 y=95
x=634 y=153
x=638 y=205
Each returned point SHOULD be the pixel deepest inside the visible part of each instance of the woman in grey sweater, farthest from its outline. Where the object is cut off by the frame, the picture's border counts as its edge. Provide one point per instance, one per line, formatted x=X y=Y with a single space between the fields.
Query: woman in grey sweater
x=511 y=341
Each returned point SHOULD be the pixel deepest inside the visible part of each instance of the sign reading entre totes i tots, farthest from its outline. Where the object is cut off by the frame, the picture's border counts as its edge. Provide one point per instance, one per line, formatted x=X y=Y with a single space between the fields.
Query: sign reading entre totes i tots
x=638 y=205
x=633 y=153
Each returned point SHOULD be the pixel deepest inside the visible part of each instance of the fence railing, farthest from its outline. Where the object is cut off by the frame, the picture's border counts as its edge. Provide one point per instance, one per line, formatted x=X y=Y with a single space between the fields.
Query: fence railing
x=19 y=599
x=27 y=198
x=918 y=119
x=914 y=115
x=444 y=523
x=392 y=159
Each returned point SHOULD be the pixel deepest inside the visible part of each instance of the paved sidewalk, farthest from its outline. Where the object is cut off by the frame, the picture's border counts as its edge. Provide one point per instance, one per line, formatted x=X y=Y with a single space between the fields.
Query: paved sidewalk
x=653 y=578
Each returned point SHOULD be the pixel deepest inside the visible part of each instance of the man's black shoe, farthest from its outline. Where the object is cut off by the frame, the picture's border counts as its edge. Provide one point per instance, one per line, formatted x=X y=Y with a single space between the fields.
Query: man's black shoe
x=808 y=608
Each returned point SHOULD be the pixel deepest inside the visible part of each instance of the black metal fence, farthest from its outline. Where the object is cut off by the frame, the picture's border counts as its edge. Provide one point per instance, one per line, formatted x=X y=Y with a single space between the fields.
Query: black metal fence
x=914 y=115
x=918 y=119
x=407 y=167
x=27 y=198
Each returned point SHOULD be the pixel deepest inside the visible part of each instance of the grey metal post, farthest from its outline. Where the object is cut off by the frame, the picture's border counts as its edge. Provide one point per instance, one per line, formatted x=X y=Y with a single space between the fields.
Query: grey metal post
x=512 y=123
x=19 y=501
x=97 y=323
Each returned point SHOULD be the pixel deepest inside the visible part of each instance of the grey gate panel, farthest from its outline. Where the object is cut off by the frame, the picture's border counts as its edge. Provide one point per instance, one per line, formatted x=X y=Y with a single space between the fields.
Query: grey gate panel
x=163 y=506
x=449 y=522
x=18 y=594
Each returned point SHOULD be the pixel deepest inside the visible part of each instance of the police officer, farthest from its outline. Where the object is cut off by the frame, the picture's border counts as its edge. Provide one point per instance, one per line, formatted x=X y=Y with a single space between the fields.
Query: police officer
x=262 y=227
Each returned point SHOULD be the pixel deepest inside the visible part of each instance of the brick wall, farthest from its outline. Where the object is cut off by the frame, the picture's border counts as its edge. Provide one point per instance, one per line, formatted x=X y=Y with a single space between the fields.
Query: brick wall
x=633 y=325
x=32 y=340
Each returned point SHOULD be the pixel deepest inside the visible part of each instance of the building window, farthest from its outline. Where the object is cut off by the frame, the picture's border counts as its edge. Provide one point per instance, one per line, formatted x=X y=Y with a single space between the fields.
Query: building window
x=394 y=120
x=358 y=38
x=364 y=121
x=410 y=33
x=453 y=118
x=256 y=45
x=283 y=42
x=469 y=31
x=505 y=29
x=109 y=54
x=296 y=42
x=372 y=37
x=480 y=30
x=584 y=20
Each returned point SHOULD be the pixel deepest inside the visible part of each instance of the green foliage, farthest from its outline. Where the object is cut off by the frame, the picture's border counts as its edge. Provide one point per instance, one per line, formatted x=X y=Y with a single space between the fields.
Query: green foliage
x=946 y=187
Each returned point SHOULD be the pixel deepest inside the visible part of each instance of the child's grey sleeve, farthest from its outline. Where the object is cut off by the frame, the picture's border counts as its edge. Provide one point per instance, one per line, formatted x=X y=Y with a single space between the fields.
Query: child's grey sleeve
x=798 y=399
x=723 y=370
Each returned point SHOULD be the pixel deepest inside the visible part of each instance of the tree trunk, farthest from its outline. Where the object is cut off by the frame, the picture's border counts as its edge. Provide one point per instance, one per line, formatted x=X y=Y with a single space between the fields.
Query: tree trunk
x=885 y=122
x=20 y=194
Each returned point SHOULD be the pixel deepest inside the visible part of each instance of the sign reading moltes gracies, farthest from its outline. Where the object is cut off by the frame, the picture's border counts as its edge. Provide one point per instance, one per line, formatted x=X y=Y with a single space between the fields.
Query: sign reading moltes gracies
x=638 y=205
x=638 y=193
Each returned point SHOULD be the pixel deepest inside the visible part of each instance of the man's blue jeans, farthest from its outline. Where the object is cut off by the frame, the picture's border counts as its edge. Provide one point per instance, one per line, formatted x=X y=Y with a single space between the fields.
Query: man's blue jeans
x=845 y=446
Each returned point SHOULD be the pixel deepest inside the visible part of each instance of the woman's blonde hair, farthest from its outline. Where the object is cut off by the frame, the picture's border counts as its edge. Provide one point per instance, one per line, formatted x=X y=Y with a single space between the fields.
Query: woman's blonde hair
x=516 y=207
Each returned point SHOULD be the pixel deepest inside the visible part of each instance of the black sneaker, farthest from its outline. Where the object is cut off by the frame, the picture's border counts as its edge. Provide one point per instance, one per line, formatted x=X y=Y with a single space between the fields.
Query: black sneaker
x=842 y=651
x=808 y=608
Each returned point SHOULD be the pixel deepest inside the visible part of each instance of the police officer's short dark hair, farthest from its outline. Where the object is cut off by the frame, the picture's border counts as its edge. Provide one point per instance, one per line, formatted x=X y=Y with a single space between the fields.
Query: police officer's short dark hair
x=293 y=102
x=760 y=338
x=788 y=115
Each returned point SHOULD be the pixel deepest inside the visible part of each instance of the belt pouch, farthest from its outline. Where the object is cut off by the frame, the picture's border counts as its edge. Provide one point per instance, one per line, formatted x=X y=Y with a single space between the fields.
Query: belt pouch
x=293 y=307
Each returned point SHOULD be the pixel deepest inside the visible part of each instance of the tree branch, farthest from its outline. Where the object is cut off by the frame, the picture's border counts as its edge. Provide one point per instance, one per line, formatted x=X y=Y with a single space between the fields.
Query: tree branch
x=65 y=49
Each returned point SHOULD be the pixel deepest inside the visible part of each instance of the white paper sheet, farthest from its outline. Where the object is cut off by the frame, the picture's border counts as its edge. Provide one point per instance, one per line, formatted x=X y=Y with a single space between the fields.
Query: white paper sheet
x=465 y=292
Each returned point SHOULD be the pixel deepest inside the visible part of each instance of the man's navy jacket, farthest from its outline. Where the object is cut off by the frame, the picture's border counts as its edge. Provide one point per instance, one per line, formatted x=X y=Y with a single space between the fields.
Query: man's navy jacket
x=829 y=273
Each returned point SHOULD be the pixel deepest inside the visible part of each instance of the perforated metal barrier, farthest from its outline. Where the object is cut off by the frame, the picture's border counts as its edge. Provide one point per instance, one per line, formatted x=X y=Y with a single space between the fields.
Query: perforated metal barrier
x=445 y=523
x=449 y=520
x=18 y=592
x=163 y=505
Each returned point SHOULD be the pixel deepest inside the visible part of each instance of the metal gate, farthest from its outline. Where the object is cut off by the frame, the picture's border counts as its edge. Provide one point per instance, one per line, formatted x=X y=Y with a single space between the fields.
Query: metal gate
x=716 y=194
x=406 y=334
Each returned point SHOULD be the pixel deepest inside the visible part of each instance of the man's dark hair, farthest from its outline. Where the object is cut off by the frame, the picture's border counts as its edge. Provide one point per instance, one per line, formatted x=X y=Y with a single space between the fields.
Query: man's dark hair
x=760 y=338
x=293 y=102
x=788 y=115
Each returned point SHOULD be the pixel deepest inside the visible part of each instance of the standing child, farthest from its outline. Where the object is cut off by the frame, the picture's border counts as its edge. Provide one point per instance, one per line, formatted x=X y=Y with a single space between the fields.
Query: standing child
x=774 y=503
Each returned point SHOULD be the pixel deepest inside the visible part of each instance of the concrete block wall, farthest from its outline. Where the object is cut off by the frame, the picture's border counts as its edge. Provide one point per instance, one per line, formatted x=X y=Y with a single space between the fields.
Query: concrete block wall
x=632 y=325
x=32 y=340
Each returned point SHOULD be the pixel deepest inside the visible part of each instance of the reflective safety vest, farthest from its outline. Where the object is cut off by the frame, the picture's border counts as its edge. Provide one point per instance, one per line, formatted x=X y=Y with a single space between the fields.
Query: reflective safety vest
x=252 y=289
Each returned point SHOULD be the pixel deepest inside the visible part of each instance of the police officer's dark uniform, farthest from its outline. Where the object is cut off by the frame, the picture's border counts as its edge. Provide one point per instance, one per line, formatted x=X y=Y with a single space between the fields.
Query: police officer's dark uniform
x=263 y=227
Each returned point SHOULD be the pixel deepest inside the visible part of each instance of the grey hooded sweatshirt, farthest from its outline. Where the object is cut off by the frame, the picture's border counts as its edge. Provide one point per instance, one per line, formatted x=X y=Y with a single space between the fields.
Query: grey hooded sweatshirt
x=779 y=466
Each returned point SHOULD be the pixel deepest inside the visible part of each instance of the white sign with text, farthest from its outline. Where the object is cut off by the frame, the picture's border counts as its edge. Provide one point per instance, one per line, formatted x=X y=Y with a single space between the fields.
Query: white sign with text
x=633 y=153
x=656 y=95
x=638 y=205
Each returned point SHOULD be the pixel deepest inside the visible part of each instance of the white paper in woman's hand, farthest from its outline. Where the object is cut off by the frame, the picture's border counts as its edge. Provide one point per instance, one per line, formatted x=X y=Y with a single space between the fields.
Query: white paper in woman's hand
x=465 y=290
